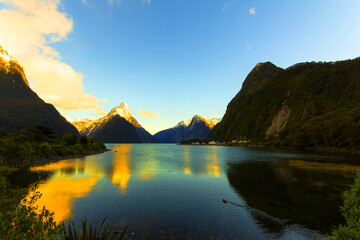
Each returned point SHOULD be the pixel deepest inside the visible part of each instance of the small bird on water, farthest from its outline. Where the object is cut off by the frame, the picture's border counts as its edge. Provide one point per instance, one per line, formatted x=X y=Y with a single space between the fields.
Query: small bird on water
x=224 y=201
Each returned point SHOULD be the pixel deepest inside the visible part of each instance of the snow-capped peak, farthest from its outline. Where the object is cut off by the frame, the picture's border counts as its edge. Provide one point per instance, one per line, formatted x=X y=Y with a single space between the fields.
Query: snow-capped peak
x=6 y=58
x=184 y=123
x=198 y=118
x=209 y=122
x=123 y=111
x=6 y=55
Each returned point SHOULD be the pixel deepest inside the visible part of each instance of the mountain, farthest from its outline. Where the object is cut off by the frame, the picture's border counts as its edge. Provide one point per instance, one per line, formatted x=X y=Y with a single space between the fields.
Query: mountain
x=306 y=105
x=20 y=106
x=198 y=127
x=82 y=125
x=118 y=126
x=173 y=135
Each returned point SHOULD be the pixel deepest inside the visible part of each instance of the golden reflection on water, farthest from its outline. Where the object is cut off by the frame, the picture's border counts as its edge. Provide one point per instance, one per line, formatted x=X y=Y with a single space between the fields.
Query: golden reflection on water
x=74 y=179
x=122 y=172
x=208 y=166
x=71 y=180
x=147 y=175
x=213 y=167
x=186 y=164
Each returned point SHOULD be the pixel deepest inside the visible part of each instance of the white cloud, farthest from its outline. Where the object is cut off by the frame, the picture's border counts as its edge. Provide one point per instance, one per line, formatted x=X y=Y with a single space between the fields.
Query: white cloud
x=216 y=116
x=143 y=2
x=252 y=11
x=146 y=2
x=148 y=114
x=228 y=4
x=27 y=27
x=104 y=100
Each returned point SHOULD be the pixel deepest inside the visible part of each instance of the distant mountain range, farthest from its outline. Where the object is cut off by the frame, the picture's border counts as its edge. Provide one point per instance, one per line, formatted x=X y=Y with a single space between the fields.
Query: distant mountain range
x=20 y=106
x=313 y=104
x=198 y=127
x=118 y=126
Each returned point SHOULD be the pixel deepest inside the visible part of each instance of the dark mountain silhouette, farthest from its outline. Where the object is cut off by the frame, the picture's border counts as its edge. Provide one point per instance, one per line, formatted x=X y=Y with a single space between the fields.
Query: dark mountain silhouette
x=20 y=106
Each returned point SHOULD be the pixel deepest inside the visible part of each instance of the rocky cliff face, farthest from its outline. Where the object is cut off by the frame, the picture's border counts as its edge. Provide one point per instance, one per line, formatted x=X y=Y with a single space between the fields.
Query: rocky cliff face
x=198 y=127
x=305 y=105
x=118 y=126
x=20 y=106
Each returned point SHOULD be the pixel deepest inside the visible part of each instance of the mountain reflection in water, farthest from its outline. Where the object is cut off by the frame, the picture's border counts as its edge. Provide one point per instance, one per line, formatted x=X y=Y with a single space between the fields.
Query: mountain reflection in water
x=167 y=190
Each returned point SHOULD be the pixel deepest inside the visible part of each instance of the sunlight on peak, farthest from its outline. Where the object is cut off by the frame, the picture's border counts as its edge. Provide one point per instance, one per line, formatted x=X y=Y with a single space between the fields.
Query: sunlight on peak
x=124 y=111
x=5 y=56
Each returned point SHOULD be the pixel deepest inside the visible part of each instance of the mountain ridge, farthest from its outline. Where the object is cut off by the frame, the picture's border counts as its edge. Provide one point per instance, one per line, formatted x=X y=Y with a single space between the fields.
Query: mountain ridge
x=305 y=105
x=118 y=126
x=197 y=127
x=21 y=106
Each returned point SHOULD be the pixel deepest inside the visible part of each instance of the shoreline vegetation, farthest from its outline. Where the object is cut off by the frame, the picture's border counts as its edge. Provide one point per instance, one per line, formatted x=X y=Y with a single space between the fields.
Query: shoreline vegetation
x=38 y=145
x=248 y=143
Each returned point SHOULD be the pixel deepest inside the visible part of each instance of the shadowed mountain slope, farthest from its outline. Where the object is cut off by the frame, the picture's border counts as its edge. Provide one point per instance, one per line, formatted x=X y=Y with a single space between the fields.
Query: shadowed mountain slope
x=20 y=106
x=198 y=127
x=305 y=105
x=118 y=126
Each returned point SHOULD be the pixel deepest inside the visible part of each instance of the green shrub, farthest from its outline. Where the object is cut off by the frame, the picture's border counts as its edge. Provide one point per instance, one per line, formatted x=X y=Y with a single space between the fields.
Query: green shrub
x=83 y=139
x=70 y=139
x=21 y=219
x=351 y=212
x=38 y=142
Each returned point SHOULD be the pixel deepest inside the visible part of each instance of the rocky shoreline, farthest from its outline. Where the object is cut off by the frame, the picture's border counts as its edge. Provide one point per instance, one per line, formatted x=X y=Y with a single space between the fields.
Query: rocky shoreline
x=45 y=160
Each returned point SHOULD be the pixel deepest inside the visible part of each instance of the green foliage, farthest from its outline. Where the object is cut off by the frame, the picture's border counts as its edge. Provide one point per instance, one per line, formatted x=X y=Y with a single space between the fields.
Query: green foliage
x=323 y=99
x=39 y=142
x=21 y=219
x=106 y=231
x=196 y=140
x=70 y=139
x=351 y=212
x=83 y=139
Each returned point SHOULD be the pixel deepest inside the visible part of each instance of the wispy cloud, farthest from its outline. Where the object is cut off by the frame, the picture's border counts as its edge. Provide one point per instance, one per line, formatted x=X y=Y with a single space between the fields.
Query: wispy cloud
x=143 y=2
x=252 y=11
x=146 y=2
x=228 y=4
x=104 y=100
x=52 y=79
x=148 y=114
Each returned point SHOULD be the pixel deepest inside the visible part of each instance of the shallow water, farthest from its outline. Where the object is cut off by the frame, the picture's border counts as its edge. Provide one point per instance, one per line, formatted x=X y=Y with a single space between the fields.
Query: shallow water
x=169 y=191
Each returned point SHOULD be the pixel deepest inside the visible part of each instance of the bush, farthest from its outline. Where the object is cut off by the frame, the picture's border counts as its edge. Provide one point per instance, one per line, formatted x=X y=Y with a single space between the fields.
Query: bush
x=21 y=219
x=30 y=144
x=351 y=212
x=83 y=139
x=70 y=139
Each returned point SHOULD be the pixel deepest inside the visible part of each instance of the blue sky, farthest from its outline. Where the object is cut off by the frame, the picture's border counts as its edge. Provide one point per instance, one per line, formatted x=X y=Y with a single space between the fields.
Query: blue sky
x=181 y=58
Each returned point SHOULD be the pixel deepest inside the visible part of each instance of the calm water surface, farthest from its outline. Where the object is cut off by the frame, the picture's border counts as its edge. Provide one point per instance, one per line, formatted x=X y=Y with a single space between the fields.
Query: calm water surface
x=171 y=191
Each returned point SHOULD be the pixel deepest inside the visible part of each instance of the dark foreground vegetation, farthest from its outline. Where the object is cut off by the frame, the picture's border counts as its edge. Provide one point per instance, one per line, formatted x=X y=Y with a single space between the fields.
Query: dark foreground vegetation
x=40 y=142
x=21 y=219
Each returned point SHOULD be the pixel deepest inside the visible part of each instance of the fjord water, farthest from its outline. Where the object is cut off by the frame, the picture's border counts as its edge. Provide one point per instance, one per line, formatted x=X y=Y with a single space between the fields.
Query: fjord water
x=168 y=191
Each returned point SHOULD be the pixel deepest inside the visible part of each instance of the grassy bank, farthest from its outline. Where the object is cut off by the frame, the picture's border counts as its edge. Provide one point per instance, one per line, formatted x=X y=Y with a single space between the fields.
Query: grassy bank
x=38 y=145
x=270 y=145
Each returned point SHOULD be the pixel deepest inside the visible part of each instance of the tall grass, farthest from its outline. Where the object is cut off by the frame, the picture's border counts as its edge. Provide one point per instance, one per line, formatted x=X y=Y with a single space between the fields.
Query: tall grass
x=105 y=231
